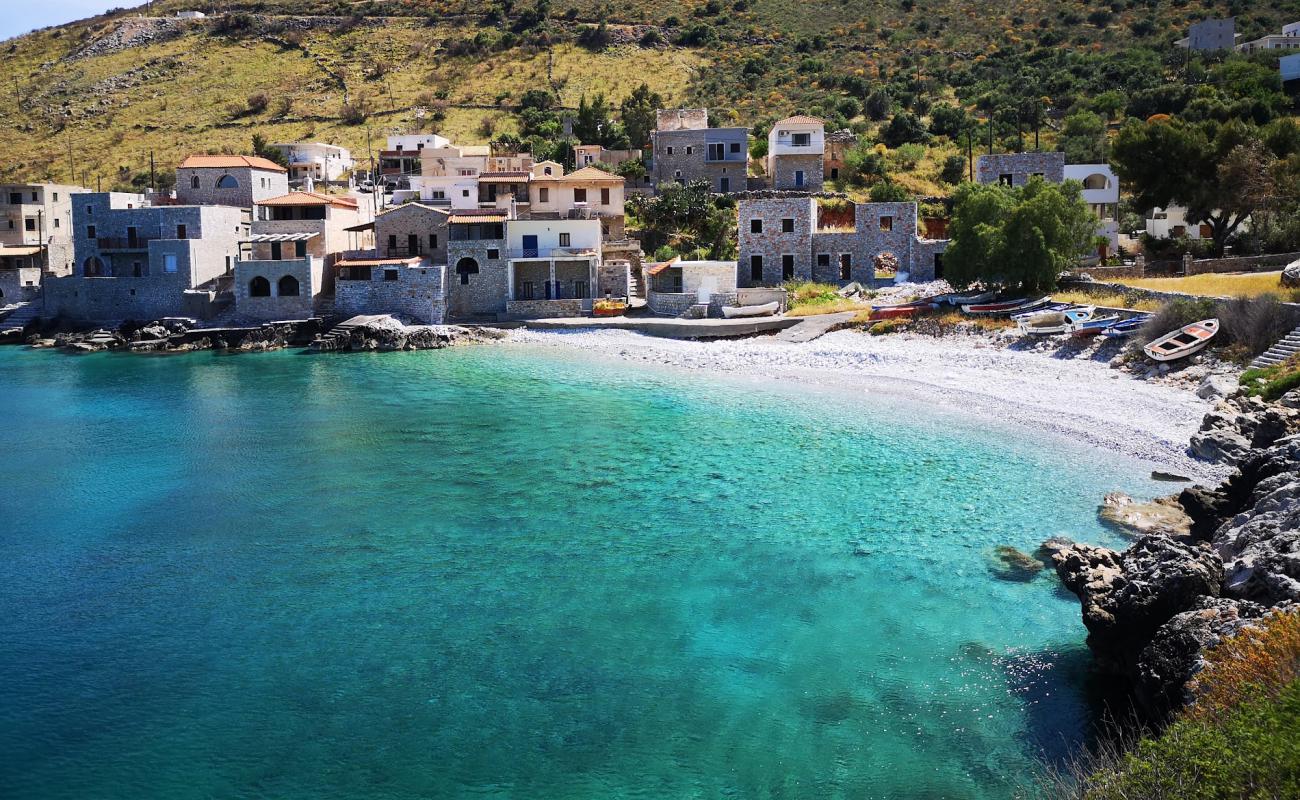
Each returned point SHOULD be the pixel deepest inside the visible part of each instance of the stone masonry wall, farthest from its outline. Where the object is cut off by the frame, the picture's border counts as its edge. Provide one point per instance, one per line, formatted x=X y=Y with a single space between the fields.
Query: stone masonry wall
x=694 y=165
x=114 y=299
x=484 y=292
x=417 y=294
x=19 y=284
x=988 y=168
x=772 y=242
x=254 y=185
x=542 y=309
x=784 y=167
x=307 y=271
x=413 y=220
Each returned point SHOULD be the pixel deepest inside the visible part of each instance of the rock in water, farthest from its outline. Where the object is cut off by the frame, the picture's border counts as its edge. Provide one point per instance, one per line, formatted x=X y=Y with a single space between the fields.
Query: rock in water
x=1013 y=565
x=1163 y=515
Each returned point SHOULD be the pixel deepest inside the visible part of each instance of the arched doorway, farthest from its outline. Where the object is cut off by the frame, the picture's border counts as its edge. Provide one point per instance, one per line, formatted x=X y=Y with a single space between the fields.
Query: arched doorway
x=94 y=268
x=259 y=287
x=288 y=286
x=465 y=268
x=1096 y=181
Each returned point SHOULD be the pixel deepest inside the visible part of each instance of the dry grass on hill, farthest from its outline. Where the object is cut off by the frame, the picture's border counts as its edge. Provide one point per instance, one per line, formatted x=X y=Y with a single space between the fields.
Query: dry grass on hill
x=1233 y=284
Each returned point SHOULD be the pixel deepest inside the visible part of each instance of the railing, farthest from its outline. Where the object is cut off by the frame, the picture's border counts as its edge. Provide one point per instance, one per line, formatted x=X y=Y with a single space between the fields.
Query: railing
x=551 y=252
x=402 y=250
x=114 y=243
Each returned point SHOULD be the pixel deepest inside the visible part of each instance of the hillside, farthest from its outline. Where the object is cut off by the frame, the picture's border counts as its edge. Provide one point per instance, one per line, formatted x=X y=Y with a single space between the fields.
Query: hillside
x=98 y=95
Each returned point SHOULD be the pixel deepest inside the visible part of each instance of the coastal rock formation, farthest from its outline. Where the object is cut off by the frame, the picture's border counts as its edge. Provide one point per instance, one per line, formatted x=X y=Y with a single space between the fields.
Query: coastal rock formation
x=1154 y=609
x=1162 y=515
x=1241 y=424
x=388 y=334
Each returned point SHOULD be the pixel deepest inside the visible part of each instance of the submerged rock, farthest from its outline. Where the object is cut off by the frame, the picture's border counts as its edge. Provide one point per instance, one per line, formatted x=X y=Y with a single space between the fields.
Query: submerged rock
x=1011 y=564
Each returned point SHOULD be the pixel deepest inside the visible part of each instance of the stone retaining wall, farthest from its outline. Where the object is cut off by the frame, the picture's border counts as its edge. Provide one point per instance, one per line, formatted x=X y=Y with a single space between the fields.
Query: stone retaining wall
x=1242 y=263
x=543 y=309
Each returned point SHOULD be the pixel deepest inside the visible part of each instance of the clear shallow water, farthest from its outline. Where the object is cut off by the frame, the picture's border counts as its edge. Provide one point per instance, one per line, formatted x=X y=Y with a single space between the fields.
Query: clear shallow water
x=492 y=573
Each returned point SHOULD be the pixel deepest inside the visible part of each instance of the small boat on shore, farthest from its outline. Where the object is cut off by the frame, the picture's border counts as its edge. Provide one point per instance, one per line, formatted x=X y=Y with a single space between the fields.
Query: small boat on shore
x=1124 y=328
x=764 y=310
x=895 y=312
x=969 y=298
x=1006 y=306
x=1044 y=324
x=1049 y=308
x=1093 y=326
x=923 y=302
x=1183 y=342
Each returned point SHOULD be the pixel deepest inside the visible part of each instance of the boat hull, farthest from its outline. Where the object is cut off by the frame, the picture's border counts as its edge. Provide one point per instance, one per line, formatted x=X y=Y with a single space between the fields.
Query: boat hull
x=1187 y=340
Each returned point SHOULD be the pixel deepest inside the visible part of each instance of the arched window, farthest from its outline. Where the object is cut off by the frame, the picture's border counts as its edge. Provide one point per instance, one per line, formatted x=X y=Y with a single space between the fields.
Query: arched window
x=259 y=287
x=227 y=182
x=465 y=268
x=1095 y=181
x=194 y=181
x=546 y=170
x=94 y=267
x=288 y=286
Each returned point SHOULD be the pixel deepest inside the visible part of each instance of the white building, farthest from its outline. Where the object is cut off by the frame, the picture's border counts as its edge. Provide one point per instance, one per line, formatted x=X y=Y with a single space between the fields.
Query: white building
x=1171 y=223
x=1288 y=39
x=1289 y=67
x=553 y=259
x=795 y=150
x=1101 y=193
x=322 y=163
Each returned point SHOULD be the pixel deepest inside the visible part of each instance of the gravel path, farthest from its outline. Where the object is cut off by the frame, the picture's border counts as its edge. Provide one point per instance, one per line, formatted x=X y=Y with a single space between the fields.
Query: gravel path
x=1080 y=397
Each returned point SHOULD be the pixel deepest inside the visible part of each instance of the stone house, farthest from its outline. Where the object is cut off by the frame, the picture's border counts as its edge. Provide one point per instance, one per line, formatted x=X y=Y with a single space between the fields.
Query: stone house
x=413 y=230
x=321 y=163
x=135 y=261
x=588 y=193
x=838 y=145
x=684 y=148
x=554 y=267
x=477 y=277
x=593 y=155
x=1015 y=169
x=35 y=236
x=796 y=150
x=409 y=287
x=784 y=237
x=239 y=181
x=678 y=286
x=286 y=264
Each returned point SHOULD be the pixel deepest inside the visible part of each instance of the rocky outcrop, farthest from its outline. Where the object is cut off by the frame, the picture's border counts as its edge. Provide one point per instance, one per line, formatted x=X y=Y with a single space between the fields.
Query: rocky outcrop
x=1291 y=276
x=1154 y=609
x=387 y=334
x=1162 y=515
x=1240 y=424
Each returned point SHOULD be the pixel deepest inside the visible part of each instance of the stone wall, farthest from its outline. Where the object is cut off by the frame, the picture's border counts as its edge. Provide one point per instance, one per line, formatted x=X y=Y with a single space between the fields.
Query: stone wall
x=784 y=167
x=480 y=293
x=612 y=278
x=306 y=271
x=114 y=299
x=18 y=285
x=416 y=293
x=670 y=304
x=415 y=220
x=772 y=243
x=543 y=309
x=689 y=157
x=1020 y=166
x=254 y=185
x=1242 y=263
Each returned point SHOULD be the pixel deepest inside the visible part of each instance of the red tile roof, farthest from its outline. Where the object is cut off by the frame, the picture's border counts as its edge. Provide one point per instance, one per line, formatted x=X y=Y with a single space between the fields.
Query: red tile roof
x=230 y=162
x=310 y=199
x=799 y=119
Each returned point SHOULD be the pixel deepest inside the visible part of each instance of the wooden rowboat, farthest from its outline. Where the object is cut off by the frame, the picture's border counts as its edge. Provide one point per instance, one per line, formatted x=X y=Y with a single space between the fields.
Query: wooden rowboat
x=969 y=298
x=1007 y=307
x=895 y=312
x=1124 y=328
x=764 y=310
x=1183 y=342
x=1093 y=326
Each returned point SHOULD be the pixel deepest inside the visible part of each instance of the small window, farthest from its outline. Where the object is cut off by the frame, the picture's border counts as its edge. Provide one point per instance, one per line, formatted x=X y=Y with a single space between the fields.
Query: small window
x=90 y=231
x=30 y=224
x=15 y=198
x=756 y=268
x=56 y=197
x=823 y=259
x=690 y=150
x=787 y=225
x=579 y=195
x=287 y=286
x=136 y=270
x=670 y=151
x=259 y=287
x=756 y=226
x=433 y=241
x=464 y=192
x=887 y=223
x=169 y=262
x=564 y=240
x=56 y=222
x=735 y=147
x=604 y=197
x=33 y=195
x=180 y=232
x=547 y=170
x=494 y=253
x=194 y=181
x=390 y=274
x=846 y=266
x=801 y=139
x=544 y=195
x=1005 y=179
x=227 y=182
x=90 y=210
x=787 y=267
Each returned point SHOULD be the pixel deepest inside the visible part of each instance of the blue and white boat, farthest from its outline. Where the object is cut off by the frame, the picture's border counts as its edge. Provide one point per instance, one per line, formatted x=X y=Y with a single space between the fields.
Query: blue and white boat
x=1124 y=328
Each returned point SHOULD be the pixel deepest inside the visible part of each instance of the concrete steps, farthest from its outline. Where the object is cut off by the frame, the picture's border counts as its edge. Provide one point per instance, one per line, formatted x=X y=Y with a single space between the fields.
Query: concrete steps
x=18 y=316
x=1285 y=348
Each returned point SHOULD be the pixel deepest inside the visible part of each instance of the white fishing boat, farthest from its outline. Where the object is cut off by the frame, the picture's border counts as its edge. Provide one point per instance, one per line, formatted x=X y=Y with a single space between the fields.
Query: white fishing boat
x=1183 y=342
x=764 y=310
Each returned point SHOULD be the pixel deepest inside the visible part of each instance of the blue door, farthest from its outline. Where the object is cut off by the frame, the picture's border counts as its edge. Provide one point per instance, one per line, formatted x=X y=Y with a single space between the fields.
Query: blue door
x=530 y=247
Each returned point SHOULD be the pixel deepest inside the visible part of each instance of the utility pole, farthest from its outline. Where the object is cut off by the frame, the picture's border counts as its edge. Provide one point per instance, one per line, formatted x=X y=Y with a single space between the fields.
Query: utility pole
x=991 y=118
x=153 y=176
x=970 y=154
x=1038 y=123
x=72 y=167
x=374 y=184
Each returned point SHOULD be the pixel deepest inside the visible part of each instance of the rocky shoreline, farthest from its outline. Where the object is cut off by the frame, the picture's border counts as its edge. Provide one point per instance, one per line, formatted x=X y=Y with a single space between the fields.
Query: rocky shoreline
x=1207 y=563
x=178 y=336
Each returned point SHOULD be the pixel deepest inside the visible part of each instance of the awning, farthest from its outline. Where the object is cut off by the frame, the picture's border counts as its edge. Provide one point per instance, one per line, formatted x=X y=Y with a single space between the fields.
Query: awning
x=377 y=262
x=280 y=237
x=655 y=269
x=19 y=251
x=363 y=227
x=462 y=218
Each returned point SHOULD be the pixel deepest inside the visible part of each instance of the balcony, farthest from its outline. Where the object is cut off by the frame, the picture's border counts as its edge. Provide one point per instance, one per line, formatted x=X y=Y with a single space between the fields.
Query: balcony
x=402 y=251
x=551 y=252
x=128 y=244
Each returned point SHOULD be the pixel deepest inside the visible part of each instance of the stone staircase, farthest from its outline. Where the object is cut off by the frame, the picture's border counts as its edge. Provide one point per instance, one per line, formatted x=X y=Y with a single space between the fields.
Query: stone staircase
x=1285 y=348
x=341 y=331
x=634 y=284
x=16 y=317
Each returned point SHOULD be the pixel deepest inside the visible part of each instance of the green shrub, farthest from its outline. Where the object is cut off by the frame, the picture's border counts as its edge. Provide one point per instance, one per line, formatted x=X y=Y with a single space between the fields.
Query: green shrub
x=1272 y=382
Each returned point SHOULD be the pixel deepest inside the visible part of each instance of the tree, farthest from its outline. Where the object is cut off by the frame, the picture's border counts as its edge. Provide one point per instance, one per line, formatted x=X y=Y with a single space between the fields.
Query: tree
x=903 y=128
x=638 y=113
x=1021 y=237
x=1083 y=139
x=887 y=191
x=592 y=120
x=863 y=164
x=878 y=104
x=1172 y=162
x=689 y=216
x=950 y=121
x=261 y=148
x=954 y=170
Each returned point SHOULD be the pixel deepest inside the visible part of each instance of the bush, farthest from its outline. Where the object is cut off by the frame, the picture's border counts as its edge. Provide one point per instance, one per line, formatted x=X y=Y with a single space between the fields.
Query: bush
x=1267 y=657
x=888 y=192
x=1272 y=382
x=954 y=170
x=1254 y=324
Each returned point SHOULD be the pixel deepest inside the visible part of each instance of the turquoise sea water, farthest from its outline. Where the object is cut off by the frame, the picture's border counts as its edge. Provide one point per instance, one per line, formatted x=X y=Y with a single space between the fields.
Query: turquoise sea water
x=497 y=573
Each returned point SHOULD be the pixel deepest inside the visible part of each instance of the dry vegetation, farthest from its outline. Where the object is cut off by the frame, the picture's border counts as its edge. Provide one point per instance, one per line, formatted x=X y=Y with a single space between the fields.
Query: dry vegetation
x=1232 y=284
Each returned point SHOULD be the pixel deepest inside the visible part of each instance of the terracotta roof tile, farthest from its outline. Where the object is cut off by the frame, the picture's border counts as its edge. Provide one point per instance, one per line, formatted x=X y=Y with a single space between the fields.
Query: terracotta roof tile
x=799 y=119
x=309 y=199
x=230 y=162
